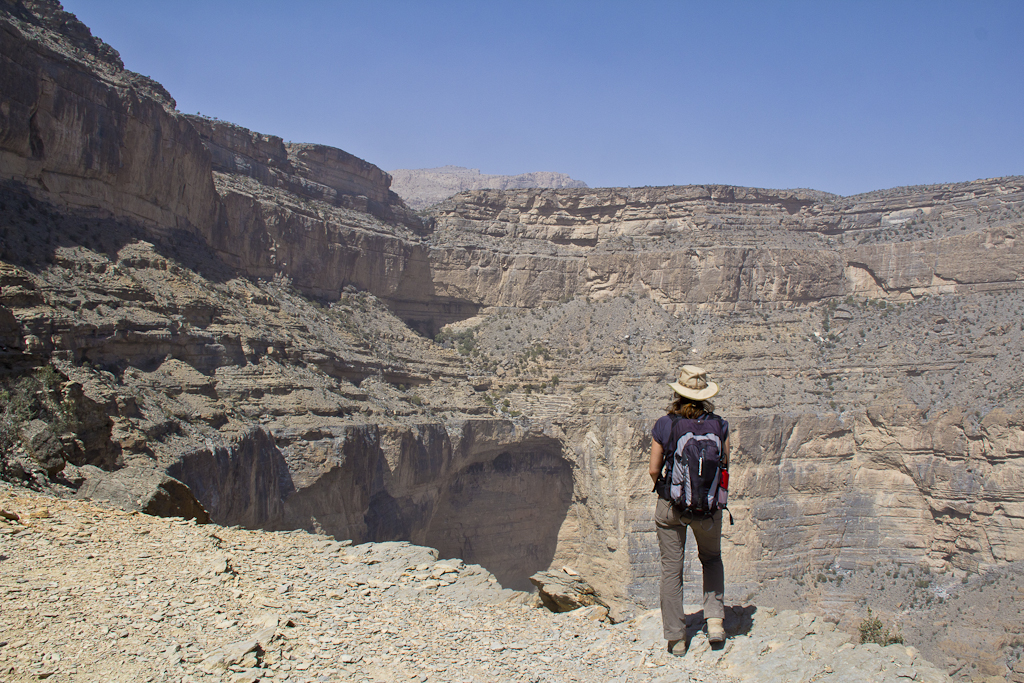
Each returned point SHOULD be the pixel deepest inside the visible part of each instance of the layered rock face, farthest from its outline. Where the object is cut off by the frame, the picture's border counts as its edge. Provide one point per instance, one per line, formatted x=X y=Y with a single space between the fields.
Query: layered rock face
x=247 y=315
x=325 y=219
x=89 y=134
x=727 y=247
x=82 y=132
x=314 y=172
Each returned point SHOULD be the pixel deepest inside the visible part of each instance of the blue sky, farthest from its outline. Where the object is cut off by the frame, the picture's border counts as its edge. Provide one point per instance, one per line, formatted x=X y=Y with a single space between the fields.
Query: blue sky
x=845 y=97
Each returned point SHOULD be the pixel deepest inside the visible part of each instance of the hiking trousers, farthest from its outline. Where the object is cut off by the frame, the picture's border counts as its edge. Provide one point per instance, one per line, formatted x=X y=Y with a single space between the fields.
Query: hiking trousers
x=672 y=523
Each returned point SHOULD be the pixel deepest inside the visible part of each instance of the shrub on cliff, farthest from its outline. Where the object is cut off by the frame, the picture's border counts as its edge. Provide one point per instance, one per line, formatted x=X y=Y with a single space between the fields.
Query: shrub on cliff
x=31 y=397
x=464 y=342
x=872 y=631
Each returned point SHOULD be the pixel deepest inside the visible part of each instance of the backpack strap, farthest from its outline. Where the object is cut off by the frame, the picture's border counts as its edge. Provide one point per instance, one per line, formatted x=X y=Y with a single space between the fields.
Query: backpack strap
x=725 y=466
x=659 y=485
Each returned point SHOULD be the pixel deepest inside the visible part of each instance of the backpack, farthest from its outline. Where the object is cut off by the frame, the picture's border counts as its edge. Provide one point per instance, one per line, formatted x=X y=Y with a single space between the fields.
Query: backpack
x=694 y=477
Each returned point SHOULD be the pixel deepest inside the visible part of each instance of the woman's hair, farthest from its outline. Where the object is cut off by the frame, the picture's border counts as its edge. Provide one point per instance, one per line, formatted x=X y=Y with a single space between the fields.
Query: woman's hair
x=689 y=408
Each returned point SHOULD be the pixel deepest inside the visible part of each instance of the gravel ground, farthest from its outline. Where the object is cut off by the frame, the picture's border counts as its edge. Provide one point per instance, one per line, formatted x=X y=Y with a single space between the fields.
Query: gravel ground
x=92 y=593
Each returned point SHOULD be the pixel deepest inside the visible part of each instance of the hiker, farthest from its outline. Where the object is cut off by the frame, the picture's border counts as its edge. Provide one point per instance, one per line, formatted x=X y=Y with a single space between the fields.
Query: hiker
x=690 y=432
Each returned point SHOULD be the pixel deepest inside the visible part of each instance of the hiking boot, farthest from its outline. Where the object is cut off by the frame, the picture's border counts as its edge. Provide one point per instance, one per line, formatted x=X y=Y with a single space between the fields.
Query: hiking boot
x=716 y=632
x=677 y=647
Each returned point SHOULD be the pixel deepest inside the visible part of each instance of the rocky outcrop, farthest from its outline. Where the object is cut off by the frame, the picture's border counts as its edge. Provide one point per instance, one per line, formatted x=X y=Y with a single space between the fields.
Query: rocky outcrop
x=144 y=490
x=564 y=592
x=43 y=446
x=425 y=187
x=284 y=597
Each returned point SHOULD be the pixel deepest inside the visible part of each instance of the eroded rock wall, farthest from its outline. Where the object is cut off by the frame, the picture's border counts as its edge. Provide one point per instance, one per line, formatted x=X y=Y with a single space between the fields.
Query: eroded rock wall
x=79 y=130
x=423 y=187
x=325 y=219
x=481 y=490
x=726 y=247
x=310 y=171
x=813 y=491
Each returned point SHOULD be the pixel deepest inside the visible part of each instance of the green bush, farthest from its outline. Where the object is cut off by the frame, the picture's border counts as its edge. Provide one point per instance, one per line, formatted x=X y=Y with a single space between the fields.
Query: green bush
x=35 y=396
x=464 y=342
x=8 y=425
x=872 y=631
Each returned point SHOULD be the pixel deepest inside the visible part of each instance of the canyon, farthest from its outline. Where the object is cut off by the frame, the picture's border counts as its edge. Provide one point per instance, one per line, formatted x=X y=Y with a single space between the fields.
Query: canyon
x=270 y=324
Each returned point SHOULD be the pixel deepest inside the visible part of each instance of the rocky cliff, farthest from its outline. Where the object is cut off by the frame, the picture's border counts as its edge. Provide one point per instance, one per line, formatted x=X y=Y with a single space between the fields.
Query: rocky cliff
x=728 y=247
x=311 y=172
x=271 y=325
x=79 y=128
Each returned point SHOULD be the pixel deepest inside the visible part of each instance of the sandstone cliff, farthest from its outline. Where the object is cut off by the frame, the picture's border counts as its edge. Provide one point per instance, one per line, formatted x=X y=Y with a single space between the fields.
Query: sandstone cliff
x=312 y=172
x=89 y=134
x=425 y=187
x=270 y=324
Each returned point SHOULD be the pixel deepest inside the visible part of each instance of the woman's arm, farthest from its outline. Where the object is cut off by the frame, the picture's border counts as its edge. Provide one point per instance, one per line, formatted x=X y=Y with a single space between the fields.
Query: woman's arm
x=657 y=460
x=725 y=452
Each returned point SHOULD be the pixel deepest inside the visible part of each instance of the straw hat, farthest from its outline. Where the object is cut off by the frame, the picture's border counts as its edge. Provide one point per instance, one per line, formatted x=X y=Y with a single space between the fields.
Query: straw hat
x=693 y=384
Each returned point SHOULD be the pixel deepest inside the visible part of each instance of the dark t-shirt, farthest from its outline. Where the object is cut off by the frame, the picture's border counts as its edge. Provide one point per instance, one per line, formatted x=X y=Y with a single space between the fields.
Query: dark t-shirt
x=662 y=431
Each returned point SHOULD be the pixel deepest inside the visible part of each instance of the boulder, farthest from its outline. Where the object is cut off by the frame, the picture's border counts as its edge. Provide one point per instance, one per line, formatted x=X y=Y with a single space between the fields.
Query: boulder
x=145 y=490
x=561 y=592
x=74 y=476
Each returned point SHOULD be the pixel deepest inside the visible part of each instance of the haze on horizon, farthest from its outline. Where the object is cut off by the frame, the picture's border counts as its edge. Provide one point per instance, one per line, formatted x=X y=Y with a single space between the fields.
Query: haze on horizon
x=844 y=97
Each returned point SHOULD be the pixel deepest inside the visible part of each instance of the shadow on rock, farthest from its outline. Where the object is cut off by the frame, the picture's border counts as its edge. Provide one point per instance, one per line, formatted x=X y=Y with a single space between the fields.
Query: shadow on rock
x=38 y=234
x=739 y=620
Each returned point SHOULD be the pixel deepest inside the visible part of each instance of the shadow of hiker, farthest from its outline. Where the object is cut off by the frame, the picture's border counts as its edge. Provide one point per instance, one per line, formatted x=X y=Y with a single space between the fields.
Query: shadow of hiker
x=739 y=619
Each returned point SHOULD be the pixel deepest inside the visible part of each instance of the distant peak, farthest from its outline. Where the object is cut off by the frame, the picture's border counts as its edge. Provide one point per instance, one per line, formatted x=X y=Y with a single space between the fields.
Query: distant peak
x=425 y=187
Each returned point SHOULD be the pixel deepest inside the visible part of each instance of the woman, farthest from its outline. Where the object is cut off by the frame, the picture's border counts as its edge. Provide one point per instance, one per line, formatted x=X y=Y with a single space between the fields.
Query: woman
x=691 y=412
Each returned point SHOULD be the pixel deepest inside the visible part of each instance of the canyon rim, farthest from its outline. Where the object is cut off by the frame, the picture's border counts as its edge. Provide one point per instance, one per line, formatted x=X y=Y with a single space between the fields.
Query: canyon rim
x=269 y=324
